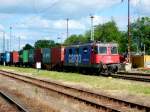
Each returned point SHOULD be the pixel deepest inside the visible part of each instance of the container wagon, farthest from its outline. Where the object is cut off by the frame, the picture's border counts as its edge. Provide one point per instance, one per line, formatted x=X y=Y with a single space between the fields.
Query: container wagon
x=31 y=58
x=7 y=58
x=14 y=58
x=57 y=58
x=38 y=55
x=20 y=58
x=25 y=58
x=46 y=58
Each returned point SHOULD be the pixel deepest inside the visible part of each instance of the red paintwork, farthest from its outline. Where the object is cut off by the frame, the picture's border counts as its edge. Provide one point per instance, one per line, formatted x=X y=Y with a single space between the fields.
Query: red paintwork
x=38 y=55
x=107 y=58
x=57 y=56
x=15 y=57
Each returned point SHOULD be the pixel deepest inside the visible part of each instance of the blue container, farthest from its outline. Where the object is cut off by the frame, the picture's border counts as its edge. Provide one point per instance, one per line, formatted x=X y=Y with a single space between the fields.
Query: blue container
x=7 y=57
x=2 y=57
x=46 y=55
x=31 y=56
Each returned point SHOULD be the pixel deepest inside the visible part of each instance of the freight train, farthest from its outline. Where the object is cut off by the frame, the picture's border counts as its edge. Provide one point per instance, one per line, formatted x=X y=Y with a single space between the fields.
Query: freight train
x=95 y=57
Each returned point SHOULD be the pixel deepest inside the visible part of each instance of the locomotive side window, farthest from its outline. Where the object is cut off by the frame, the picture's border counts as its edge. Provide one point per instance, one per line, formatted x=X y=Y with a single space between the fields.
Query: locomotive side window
x=114 y=50
x=85 y=50
x=103 y=50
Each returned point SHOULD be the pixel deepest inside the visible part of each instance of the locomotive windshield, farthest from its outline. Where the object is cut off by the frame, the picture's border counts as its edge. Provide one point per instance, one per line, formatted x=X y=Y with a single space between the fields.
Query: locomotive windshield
x=105 y=48
x=102 y=50
x=114 y=50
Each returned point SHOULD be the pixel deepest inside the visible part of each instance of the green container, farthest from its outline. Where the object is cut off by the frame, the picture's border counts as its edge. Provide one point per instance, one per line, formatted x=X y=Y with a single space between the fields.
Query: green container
x=46 y=56
x=20 y=56
x=31 y=56
x=25 y=56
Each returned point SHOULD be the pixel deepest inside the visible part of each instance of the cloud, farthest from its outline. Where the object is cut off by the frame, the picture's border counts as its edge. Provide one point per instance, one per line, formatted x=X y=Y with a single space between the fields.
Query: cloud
x=69 y=7
x=73 y=24
x=57 y=9
x=33 y=22
x=142 y=6
x=42 y=23
x=1 y=27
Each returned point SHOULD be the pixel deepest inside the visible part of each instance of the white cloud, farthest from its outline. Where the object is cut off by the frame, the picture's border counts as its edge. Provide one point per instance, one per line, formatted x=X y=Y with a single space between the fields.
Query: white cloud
x=58 y=7
x=73 y=24
x=41 y=23
x=33 y=22
x=143 y=6
x=1 y=27
x=73 y=8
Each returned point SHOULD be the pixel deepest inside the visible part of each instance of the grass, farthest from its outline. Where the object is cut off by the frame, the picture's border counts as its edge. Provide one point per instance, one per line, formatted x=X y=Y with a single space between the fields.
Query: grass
x=96 y=82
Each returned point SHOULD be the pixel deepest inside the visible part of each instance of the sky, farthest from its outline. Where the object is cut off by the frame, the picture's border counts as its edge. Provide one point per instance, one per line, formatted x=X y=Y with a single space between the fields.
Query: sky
x=32 y=20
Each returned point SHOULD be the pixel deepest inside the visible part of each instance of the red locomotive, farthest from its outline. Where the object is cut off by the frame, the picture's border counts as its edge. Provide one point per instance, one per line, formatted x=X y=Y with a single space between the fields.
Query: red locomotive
x=96 y=56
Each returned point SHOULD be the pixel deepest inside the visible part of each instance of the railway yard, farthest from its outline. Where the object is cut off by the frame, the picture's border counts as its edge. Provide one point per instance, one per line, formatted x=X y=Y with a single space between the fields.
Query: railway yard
x=74 y=56
x=57 y=92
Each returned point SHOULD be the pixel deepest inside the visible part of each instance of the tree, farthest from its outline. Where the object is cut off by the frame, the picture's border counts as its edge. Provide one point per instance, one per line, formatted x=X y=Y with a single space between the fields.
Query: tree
x=44 y=44
x=107 y=32
x=27 y=47
x=74 y=39
x=140 y=34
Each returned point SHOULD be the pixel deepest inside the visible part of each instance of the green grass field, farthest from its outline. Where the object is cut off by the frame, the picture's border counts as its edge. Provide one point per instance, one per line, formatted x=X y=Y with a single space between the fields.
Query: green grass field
x=102 y=83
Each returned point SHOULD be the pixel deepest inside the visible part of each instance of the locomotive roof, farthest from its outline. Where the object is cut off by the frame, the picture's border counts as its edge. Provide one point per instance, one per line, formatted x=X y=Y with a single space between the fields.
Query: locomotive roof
x=94 y=43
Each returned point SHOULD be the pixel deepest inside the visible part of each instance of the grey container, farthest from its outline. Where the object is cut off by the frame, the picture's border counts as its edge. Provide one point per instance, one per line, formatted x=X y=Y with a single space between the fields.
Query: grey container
x=46 y=55
x=31 y=56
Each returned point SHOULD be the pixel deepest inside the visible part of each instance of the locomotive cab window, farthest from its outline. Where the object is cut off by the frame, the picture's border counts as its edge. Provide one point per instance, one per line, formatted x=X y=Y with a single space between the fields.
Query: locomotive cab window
x=114 y=50
x=103 y=50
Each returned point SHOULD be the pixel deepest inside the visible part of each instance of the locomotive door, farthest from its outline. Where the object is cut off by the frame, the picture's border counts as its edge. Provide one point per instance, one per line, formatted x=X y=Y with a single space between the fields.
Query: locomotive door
x=86 y=55
x=93 y=54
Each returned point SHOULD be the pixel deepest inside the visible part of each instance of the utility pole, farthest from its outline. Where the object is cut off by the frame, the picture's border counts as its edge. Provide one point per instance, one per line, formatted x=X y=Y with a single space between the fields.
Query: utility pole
x=129 y=33
x=67 y=28
x=92 y=29
x=10 y=38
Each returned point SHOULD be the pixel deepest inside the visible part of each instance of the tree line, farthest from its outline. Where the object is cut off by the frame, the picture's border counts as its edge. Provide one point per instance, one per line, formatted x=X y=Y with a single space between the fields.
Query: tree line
x=109 y=32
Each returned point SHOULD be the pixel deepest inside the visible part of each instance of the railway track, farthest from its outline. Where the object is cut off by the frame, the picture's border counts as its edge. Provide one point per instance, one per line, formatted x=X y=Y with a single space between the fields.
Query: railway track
x=132 y=76
x=94 y=99
x=13 y=101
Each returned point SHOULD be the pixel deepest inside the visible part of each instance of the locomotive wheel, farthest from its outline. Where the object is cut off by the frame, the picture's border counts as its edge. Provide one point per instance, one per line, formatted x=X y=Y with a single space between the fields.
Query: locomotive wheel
x=101 y=69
